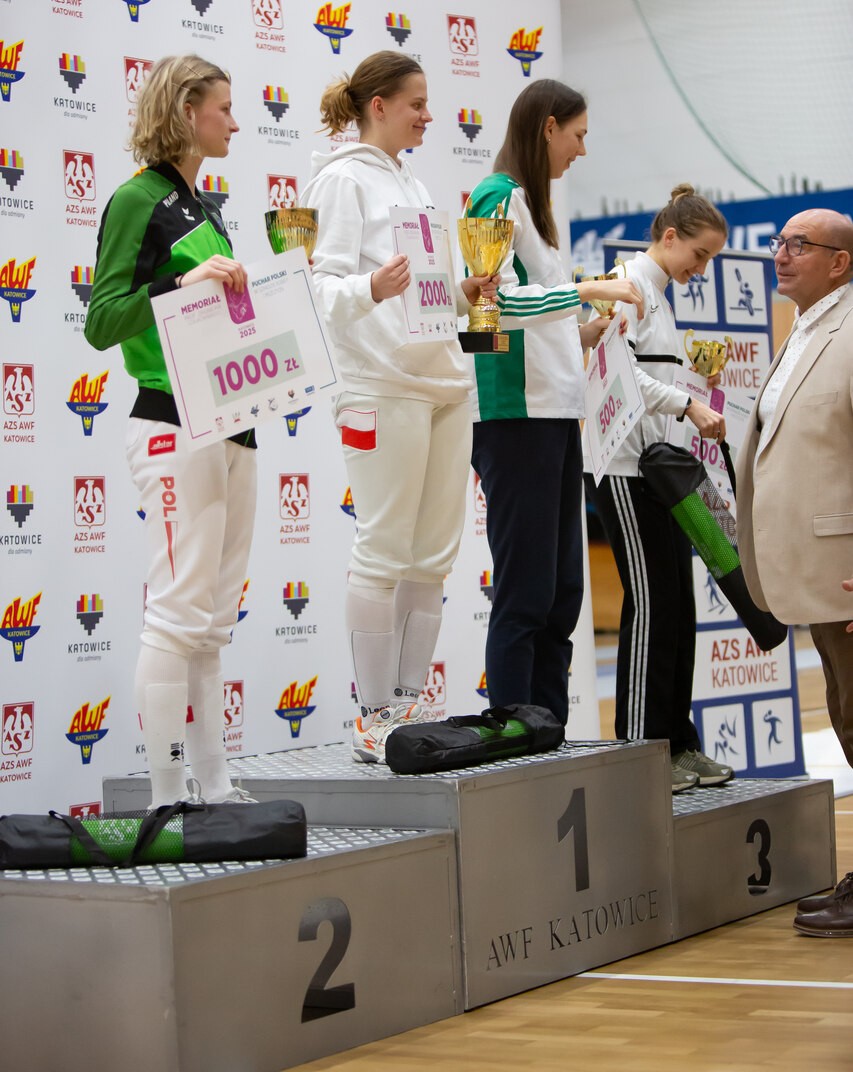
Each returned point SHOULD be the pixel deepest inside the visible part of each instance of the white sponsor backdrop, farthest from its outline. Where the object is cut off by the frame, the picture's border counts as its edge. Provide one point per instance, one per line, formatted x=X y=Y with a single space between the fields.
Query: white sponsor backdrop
x=71 y=546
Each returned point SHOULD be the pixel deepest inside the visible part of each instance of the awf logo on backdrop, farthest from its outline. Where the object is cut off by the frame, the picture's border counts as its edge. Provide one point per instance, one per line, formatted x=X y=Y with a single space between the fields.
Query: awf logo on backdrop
x=17 y=627
x=294 y=503
x=294 y=496
x=19 y=394
x=523 y=47
x=90 y=502
x=10 y=57
x=268 y=14
x=234 y=693
x=15 y=285
x=295 y=704
x=135 y=73
x=434 y=692
x=332 y=23
x=85 y=399
x=281 y=191
x=464 y=45
x=18 y=728
x=133 y=7
x=79 y=178
x=87 y=728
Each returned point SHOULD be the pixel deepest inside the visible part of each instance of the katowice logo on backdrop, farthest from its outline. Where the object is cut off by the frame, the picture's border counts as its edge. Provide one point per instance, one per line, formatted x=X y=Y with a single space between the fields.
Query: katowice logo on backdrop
x=281 y=191
x=216 y=188
x=90 y=610
x=11 y=167
x=295 y=704
x=523 y=46
x=486 y=586
x=72 y=70
x=15 y=285
x=87 y=728
x=16 y=625
x=19 y=396
x=19 y=502
x=276 y=101
x=470 y=122
x=133 y=7
x=295 y=596
x=85 y=399
x=332 y=23
x=82 y=278
x=399 y=26
x=10 y=58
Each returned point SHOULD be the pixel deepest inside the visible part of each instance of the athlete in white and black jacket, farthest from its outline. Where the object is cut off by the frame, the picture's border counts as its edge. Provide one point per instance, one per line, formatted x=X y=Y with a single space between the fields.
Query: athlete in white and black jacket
x=657 y=632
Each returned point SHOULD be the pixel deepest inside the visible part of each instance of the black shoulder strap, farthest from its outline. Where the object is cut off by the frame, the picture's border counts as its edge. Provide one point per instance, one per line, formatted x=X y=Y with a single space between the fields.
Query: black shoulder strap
x=97 y=854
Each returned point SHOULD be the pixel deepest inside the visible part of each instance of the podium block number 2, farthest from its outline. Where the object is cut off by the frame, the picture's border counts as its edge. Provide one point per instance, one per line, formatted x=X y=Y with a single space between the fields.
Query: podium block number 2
x=322 y=1000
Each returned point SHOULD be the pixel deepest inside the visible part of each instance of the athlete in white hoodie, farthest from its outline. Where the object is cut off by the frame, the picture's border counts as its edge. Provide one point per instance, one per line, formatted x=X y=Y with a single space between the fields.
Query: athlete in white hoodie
x=404 y=414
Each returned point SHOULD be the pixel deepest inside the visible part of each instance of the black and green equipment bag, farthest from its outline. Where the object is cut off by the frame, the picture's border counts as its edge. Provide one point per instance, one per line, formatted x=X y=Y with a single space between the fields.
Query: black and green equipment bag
x=678 y=480
x=173 y=833
x=464 y=741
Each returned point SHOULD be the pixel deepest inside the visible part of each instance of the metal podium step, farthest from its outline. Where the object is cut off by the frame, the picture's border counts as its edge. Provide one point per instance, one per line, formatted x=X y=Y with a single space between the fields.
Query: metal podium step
x=748 y=846
x=564 y=859
x=218 y=967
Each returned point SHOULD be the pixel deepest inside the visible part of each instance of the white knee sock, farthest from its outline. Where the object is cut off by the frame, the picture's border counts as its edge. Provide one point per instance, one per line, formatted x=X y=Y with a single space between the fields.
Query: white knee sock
x=370 y=623
x=205 y=733
x=417 y=620
x=161 y=697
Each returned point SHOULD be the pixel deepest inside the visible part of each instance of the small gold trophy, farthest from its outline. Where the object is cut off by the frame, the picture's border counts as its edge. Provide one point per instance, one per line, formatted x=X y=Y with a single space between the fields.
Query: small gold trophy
x=602 y=306
x=484 y=243
x=707 y=356
x=289 y=228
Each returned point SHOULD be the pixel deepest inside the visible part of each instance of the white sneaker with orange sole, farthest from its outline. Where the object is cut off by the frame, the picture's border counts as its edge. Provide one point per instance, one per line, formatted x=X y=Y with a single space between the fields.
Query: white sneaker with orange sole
x=371 y=730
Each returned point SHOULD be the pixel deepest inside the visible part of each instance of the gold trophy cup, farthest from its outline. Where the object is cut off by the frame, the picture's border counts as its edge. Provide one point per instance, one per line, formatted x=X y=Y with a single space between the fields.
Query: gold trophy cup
x=707 y=356
x=484 y=243
x=289 y=228
x=602 y=306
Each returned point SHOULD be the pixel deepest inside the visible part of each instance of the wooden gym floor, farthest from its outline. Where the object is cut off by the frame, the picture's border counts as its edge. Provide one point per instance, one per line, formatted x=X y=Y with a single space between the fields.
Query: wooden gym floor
x=747 y=997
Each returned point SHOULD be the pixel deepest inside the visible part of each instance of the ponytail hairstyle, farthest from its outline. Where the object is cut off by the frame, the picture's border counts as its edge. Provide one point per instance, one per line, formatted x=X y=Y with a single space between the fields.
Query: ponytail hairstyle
x=380 y=75
x=689 y=213
x=161 y=132
x=524 y=153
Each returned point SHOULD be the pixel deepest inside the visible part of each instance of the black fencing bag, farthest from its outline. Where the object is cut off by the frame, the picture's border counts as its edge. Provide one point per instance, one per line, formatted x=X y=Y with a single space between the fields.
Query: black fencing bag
x=464 y=741
x=678 y=480
x=173 y=833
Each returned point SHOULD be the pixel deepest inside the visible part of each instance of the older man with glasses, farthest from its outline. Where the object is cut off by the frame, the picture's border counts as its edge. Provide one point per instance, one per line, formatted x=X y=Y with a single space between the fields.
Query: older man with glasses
x=795 y=483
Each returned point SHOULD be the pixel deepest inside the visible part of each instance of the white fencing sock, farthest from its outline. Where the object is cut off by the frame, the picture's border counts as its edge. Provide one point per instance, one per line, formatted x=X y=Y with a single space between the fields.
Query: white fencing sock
x=205 y=733
x=370 y=623
x=417 y=620
x=161 y=697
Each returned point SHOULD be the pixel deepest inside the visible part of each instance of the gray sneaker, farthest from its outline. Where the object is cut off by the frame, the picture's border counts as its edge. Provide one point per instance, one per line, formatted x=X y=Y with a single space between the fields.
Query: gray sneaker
x=683 y=779
x=708 y=772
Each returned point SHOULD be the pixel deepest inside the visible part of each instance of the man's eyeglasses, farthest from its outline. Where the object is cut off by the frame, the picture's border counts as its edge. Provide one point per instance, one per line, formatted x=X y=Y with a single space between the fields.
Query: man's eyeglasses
x=794 y=245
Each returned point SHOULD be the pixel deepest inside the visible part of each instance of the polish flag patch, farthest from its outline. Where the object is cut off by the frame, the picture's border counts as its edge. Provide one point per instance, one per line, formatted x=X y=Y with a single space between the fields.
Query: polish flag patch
x=358 y=428
x=161 y=444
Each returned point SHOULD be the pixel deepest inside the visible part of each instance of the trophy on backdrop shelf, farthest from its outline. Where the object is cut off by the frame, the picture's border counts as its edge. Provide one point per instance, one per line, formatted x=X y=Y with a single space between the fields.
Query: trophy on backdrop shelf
x=707 y=356
x=289 y=228
x=484 y=242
